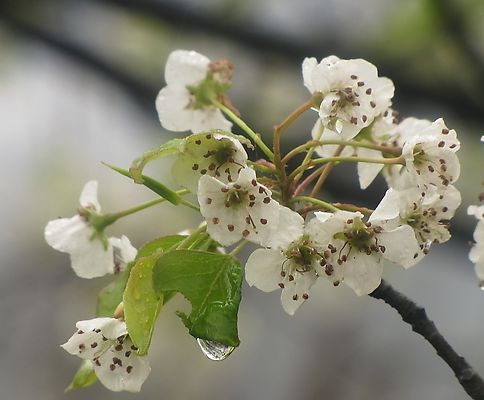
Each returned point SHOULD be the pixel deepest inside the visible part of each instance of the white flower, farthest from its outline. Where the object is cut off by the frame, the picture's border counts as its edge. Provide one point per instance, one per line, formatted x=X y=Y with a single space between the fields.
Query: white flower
x=476 y=254
x=380 y=132
x=292 y=268
x=92 y=253
x=352 y=93
x=427 y=212
x=212 y=154
x=429 y=151
x=245 y=209
x=355 y=250
x=184 y=104
x=105 y=341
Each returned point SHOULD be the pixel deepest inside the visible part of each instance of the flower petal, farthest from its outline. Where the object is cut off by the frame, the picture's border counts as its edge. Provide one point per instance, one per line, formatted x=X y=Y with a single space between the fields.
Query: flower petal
x=88 y=198
x=120 y=368
x=263 y=269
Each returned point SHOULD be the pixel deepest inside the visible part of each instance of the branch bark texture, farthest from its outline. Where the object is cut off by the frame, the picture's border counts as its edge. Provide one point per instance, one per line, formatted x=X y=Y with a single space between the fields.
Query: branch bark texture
x=417 y=318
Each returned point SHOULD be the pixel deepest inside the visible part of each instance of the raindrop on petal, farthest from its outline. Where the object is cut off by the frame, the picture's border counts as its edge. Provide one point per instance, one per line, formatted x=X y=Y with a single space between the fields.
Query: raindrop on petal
x=214 y=350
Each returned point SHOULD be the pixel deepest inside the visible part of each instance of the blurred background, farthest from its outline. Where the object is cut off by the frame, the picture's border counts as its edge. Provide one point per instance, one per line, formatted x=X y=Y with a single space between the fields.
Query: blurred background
x=78 y=80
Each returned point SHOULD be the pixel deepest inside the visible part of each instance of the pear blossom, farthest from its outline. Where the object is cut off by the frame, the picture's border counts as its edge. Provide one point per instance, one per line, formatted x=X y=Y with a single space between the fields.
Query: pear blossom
x=476 y=254
x=427 y=211
x=212 y=154
x=429 y=151
x=355 y=250
x=352 y=93
x=244 y=209
x=192 y=82
x=92 y=253
x=293 y=267
x=105 y=341
x=380 y=132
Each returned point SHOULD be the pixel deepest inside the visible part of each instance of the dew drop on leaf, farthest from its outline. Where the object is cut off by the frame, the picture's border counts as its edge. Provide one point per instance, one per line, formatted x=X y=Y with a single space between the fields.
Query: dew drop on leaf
x=214 y=350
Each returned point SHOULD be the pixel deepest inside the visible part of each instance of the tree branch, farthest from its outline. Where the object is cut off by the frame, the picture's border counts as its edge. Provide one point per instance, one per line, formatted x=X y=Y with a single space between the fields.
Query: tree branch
x=416 y=317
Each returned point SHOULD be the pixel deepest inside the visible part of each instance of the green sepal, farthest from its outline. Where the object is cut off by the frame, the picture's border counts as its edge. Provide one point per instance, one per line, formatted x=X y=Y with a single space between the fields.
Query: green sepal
x=212 y=283
x=84 y=377
x=153 y=185
x=171 y=147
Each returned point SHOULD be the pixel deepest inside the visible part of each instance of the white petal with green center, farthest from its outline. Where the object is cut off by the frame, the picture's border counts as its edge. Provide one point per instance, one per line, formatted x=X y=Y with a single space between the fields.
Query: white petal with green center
x=91 y=256
x=120 y=368
x=240 y=210
x=209 y=154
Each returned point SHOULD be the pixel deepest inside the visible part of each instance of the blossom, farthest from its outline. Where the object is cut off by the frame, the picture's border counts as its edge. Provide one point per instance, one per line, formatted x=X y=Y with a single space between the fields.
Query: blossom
x=476 y=254
x=429 y=152
x=244 y=209
x=213 y=154
x=355 y=250
x=427 y=211
x=105 y=341
x=292 y=267
x=352 y=93
x=193 y=81
x=92 y=253
x=380 y=132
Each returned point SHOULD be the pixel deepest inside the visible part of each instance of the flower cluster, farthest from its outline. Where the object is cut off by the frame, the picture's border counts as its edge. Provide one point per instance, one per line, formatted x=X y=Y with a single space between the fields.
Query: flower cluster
x=301 y=237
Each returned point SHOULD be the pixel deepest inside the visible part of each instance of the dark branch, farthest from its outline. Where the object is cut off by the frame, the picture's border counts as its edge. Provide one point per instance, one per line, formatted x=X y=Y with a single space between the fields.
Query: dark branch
x=416 y=317
x=139 y=90
x=275 y=43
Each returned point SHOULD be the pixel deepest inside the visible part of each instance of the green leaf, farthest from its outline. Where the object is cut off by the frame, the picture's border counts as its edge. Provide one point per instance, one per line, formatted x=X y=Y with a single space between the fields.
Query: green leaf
x=84 y=377
x=171 y=147
x=159 y=245
x=141 y=303
x=110 y=297
x=212 y=283
x=153 y=185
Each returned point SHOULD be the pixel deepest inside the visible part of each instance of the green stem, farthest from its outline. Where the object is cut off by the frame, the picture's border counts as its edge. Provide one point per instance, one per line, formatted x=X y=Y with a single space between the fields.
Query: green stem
x=238 y=248
x=185 y=243
x=326 y=171
x=324 y=160
x=317 y=202
x=120 y=214
x=353 y=143
x=254 y=136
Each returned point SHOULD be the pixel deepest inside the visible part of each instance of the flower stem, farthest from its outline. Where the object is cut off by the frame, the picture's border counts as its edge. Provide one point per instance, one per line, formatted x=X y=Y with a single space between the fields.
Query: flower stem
x=276 y=145
x=325 y=172
x=324 y=160
x=239 y=247
x=187 y=242
x=353 y=143
x=417 y=318
x=120 y=214
x=254 y=136
x=317 y=202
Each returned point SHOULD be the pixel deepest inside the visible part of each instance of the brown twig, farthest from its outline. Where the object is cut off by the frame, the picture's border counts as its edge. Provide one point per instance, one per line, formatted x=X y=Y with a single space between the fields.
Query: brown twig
x=416 y=317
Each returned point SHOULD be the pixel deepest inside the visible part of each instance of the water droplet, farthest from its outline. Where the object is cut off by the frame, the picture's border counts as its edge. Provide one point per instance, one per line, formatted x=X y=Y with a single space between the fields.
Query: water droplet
x=214 y=350
x=481 y=285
